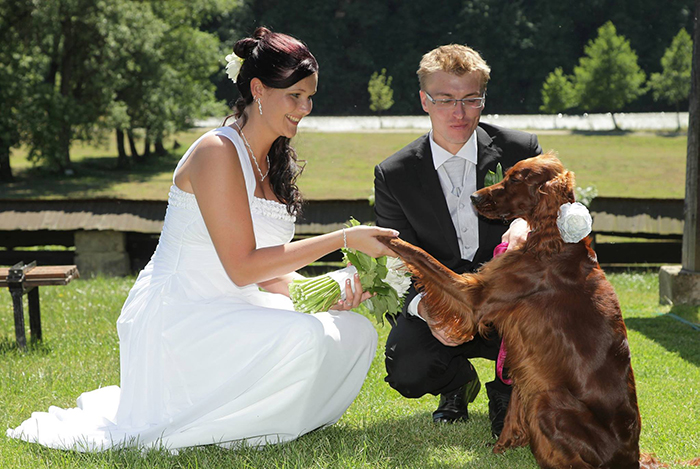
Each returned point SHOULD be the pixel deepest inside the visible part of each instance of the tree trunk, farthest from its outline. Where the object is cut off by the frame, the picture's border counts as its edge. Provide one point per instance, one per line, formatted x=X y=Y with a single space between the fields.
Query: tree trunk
x=66 y=90
x=5 y=168
x=132 y=146
x=691 y=227
x=614 y=121
x=64 y=148
x=146 y=146
x=160 y=148
x=122 y=159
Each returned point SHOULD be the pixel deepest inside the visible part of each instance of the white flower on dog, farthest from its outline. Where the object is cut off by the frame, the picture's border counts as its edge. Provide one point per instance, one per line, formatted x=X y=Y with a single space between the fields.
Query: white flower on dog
x=574 y=222
x=233 y=66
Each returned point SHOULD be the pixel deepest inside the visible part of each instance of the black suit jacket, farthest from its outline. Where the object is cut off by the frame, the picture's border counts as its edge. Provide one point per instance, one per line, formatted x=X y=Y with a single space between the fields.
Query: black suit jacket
x=409 y=198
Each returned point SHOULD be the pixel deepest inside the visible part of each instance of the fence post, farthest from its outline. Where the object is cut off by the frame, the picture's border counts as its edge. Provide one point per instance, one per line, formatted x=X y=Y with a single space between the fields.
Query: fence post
x=681 y=285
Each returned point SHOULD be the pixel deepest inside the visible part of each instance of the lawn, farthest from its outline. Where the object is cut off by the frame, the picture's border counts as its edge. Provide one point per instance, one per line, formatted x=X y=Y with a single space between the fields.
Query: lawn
x=380 y=430
x=340 y=166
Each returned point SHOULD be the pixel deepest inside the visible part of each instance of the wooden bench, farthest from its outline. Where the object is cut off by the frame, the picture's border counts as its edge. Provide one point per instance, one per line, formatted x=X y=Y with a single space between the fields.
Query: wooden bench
x=21 y=279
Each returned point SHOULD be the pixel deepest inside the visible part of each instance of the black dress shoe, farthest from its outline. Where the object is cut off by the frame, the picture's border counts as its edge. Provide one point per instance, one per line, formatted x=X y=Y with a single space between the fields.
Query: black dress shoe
x=498 y=406
x=453 y=405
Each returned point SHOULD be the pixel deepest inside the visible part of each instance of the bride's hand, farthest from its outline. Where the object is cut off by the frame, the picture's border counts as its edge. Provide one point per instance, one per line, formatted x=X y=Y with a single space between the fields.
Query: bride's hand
x=352 y=298
x=364 y=238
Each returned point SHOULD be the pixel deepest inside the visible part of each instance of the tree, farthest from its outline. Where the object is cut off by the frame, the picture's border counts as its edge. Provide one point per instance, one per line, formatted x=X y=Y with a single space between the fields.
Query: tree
x=169 y=62
x=608 y=76
x=557 y=93
x=381 y=96
x=17 y=78
x=673 y=84
x=71 y=39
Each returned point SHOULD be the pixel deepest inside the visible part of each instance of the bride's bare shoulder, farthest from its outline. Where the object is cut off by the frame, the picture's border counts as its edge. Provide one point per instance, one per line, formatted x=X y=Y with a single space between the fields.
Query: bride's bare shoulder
x=215 y=144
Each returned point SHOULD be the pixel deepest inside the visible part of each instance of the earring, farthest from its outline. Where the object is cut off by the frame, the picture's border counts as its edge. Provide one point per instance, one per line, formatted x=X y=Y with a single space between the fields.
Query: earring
x=259 y=105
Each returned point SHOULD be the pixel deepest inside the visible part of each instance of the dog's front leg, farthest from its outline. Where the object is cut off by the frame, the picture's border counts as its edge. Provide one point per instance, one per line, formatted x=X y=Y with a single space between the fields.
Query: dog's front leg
x=514 y=432
x=450 y=299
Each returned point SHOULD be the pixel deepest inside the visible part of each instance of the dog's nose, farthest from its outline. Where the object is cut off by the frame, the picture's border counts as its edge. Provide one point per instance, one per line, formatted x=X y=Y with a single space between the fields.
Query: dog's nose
x=476 y=198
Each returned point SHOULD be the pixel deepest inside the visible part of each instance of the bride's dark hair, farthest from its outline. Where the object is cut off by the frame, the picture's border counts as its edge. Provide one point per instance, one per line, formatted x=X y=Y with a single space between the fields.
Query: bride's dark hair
x=278 y=61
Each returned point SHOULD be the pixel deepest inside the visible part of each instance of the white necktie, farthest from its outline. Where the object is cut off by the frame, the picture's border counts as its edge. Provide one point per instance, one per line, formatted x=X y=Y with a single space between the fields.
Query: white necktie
x=455 y=171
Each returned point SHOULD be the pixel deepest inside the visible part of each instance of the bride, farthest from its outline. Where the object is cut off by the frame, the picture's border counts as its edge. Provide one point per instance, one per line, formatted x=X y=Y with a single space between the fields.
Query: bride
x=211 y=350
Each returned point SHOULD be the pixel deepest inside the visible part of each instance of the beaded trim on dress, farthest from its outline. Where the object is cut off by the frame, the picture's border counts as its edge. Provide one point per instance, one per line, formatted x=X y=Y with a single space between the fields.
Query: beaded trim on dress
x=179 y=198
x=269 y=208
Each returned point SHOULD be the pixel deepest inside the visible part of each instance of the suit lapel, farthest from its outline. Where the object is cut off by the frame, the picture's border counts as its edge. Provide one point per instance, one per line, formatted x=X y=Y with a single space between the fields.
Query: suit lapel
x=487 y=156
x=431 y=188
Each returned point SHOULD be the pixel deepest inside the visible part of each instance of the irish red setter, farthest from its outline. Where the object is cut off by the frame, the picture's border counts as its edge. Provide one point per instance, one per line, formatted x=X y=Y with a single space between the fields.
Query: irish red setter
x=574 y=400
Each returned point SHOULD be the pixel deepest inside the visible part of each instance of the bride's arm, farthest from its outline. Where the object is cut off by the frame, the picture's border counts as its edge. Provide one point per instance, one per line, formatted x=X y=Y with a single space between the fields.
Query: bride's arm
x=214 y=174
x=280 y=284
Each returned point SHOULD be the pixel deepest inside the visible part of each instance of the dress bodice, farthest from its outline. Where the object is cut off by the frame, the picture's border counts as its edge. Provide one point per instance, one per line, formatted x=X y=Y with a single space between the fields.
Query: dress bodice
x=185 y=246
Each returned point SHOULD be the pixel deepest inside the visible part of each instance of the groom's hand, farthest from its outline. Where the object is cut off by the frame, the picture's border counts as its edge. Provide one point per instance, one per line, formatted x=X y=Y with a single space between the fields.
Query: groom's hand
x=438 y=332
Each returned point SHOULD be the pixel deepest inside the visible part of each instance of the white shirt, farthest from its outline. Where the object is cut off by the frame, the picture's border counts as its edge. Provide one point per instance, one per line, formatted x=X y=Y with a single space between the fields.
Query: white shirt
x=462 y=212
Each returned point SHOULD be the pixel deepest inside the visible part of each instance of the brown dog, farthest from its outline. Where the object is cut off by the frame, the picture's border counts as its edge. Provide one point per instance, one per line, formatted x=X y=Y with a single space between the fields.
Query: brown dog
x=574 y=400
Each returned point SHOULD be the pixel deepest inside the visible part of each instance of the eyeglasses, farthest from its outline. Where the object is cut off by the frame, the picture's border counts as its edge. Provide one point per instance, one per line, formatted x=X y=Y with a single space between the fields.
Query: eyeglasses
x=474 y=103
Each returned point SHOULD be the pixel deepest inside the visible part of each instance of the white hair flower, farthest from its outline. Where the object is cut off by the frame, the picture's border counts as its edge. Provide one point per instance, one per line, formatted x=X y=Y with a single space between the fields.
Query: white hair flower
x=574 y=222
x=233 y=66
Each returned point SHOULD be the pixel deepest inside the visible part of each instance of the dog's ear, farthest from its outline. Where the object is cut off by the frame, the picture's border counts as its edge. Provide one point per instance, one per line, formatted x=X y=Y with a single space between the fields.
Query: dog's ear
x=569 y=184
x=561 y=188
x=552 y=194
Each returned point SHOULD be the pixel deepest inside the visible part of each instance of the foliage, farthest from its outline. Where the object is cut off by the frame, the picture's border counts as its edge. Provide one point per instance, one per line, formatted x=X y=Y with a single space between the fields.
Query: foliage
x=673 y=83
x=17 y=59
x=608 y=76
x=557 y=93
x=78 y=78
x=492 y=178
x=170 y=61
x=585 y=195
x=351 y=39
x=380 y=93
x=75 y=67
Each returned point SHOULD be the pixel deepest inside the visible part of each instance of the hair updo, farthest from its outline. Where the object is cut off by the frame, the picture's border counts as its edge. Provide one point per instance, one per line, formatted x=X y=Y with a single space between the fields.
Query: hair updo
x=278 y=61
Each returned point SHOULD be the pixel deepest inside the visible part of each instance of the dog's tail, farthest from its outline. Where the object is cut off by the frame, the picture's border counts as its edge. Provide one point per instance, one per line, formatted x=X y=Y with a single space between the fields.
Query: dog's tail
x=447 y=299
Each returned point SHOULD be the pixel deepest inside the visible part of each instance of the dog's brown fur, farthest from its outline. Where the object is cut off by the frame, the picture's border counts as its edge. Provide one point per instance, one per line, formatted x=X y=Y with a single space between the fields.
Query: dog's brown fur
x=574 y=400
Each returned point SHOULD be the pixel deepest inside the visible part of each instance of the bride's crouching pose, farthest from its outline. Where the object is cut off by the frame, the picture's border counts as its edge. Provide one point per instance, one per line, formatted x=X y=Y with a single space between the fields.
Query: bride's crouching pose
x=207 y=356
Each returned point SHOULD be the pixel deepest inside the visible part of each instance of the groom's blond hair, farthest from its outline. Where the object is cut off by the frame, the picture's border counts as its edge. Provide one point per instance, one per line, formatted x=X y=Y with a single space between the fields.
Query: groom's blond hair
x=456 y=59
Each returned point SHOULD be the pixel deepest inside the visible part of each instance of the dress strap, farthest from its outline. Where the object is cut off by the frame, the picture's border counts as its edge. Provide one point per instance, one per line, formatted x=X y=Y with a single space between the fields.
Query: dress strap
x=233 y=136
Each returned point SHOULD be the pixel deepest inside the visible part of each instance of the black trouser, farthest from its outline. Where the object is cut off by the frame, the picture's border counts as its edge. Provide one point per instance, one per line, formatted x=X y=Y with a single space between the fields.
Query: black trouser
x=417 y=363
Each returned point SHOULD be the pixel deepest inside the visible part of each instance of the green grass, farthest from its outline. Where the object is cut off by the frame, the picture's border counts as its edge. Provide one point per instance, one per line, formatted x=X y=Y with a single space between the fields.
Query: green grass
x=340 y=166
x=380 y=430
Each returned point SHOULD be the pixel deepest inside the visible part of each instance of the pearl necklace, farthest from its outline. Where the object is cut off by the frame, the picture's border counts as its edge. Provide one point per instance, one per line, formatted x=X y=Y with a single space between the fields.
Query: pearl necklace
x=252 y=155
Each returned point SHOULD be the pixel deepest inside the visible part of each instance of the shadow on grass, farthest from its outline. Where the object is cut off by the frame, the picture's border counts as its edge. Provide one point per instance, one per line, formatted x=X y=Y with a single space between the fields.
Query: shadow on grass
x=90 y=174
x=672 y=334
x=9 y=346
x=409 y=441
x=602 y=133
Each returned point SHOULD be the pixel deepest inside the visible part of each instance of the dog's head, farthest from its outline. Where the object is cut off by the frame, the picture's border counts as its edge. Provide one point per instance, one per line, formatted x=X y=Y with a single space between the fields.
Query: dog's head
x=532 y=189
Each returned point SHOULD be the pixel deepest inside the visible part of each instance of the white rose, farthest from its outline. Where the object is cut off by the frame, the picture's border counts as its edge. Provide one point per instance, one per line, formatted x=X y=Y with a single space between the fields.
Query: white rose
x=398 y=276
x=574 y=222
x=233 y=66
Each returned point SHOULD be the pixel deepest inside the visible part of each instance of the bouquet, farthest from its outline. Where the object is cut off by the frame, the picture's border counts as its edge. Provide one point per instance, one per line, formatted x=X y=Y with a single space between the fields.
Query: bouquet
x=386 y=277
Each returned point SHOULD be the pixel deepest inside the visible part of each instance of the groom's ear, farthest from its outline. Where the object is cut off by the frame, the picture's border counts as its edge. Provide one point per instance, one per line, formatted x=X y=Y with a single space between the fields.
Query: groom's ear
x=423 y=98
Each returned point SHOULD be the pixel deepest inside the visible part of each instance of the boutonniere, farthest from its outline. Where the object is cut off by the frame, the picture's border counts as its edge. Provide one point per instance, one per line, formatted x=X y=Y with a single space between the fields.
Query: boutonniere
x=494 y=178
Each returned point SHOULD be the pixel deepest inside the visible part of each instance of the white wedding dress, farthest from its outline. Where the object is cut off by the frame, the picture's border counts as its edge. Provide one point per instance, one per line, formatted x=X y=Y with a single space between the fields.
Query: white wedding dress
x=204 y=361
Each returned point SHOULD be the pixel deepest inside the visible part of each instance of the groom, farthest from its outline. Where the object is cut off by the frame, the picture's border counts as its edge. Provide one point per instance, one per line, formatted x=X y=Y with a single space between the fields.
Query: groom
x=423 y=192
